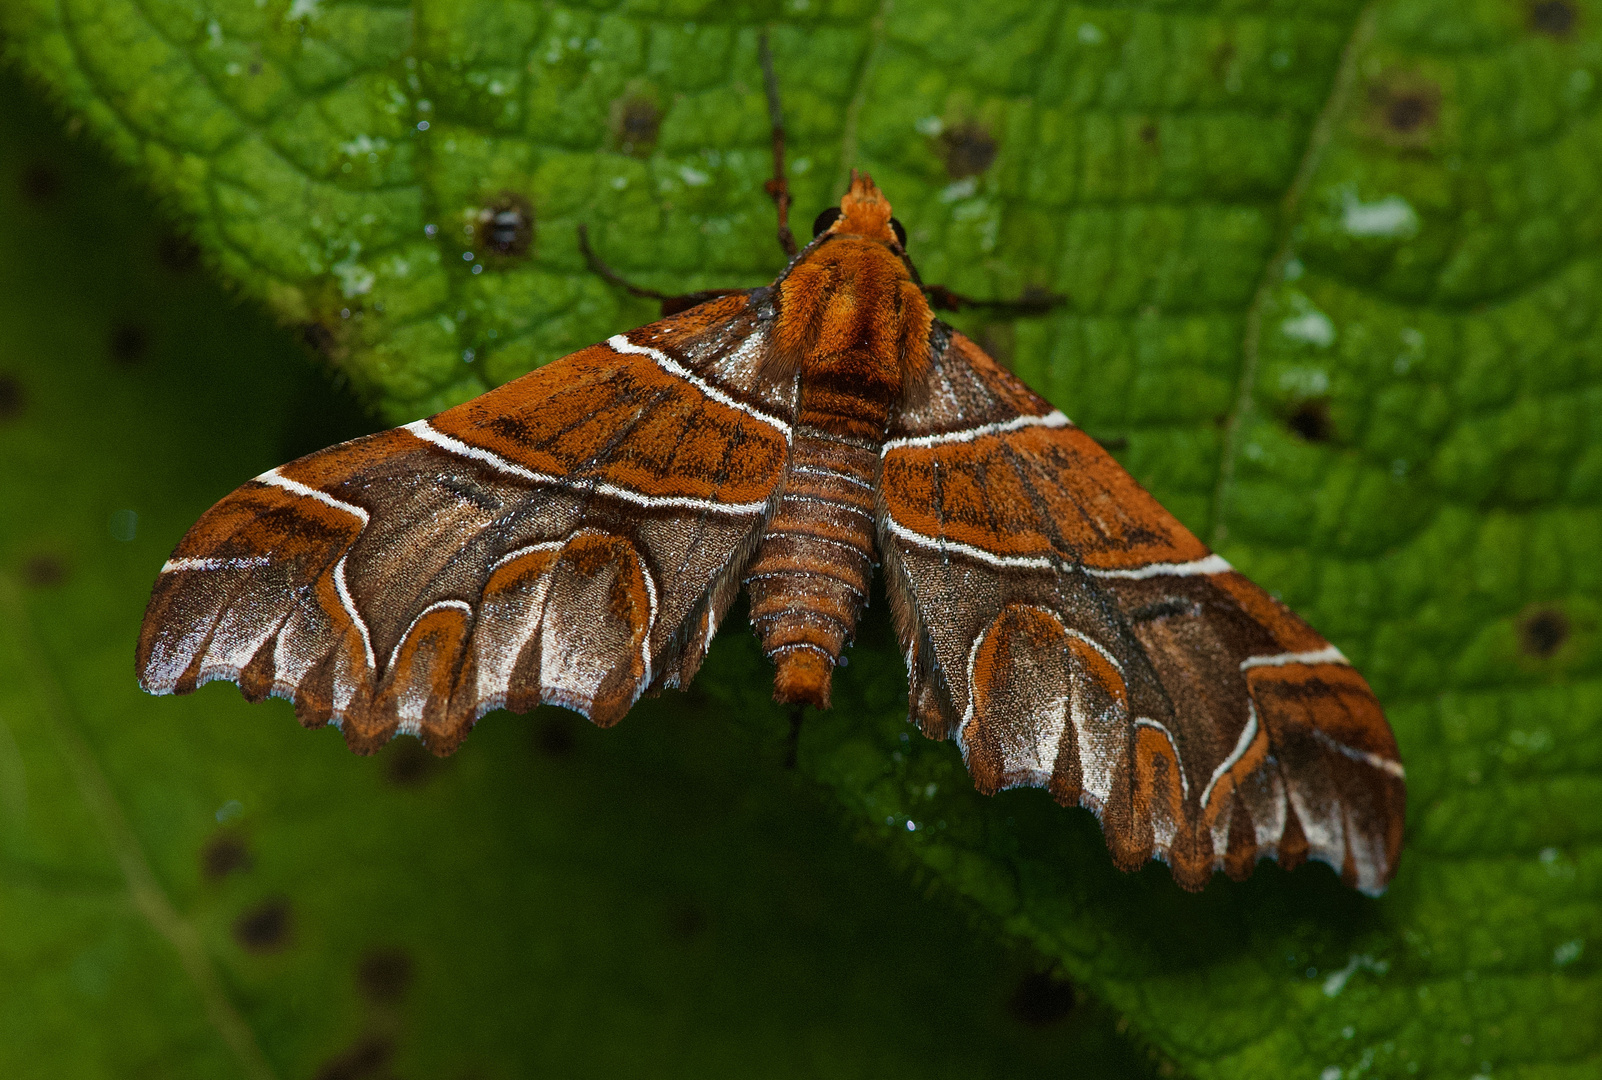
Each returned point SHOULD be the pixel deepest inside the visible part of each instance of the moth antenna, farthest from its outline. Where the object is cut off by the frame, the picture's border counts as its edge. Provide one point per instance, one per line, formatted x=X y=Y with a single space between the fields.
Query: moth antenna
x=778 y=186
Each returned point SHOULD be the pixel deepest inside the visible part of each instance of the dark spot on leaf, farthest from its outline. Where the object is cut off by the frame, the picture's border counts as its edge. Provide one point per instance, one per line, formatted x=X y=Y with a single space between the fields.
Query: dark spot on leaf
x=687 y=923
x=178 y=253
x=366 y=1058
x=1041 y=1000
x=1553 y=17
x=1311 y=421
x=129 y=343
x=506 y=226
x=43 y=571
x=968 y=149
x=224 y=854
x=553 y=737
x=384 y=976
x=41 y=182
x=1148 y=133
x=636 y=120
x=319 y=337
x=265 y=927
x=1405 y=108
x=408 y=763
x=1223 y=56
x=1543 y=632
x=10 y=396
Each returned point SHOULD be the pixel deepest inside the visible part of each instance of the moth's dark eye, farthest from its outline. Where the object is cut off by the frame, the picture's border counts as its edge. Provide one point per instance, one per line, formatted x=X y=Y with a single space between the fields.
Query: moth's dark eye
x=824 y=220
x=901 y=233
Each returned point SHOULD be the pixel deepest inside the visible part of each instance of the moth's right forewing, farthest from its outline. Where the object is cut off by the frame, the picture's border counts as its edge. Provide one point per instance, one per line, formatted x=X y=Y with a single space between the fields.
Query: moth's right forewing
x=1073 y=635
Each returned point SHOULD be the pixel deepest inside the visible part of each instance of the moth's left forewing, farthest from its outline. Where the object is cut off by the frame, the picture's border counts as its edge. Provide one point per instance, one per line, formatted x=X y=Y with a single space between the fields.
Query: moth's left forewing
x=571 y=537
x=1072 y=635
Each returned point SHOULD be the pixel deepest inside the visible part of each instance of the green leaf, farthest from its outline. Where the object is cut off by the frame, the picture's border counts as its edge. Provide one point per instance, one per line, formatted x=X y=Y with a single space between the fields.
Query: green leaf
x=1334 y=279
x=197 y=887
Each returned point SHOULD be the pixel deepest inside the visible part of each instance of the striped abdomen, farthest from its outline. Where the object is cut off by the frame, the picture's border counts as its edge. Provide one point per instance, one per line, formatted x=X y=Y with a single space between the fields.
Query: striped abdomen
x=809 y=580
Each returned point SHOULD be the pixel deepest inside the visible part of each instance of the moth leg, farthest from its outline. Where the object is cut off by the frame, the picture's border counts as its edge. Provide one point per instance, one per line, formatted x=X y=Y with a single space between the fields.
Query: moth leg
x=1032 y=302
x=671 y=305
x=792 y=744
x=779 y=186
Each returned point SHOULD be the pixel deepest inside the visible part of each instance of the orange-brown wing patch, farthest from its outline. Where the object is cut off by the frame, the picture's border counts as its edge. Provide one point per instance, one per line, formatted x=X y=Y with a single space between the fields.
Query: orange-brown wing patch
x=1038 y=489
x=1073 y=635
x=574 y=537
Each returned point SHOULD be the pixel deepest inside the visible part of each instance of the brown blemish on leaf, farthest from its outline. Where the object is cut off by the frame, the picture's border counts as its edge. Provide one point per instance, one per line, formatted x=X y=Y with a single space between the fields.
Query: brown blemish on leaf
x=1555 y=18
x=1543 y=631
x=264 y=928
x=636 y=120
x=1041 y=999
x=320 y=338
x=11 y=397
x=1148 y=133
x=1311 y=420
x=224 y=854
x=1404 y=109
x=384 y=976
x=506 y=226
x=44 y=571
x=407 y=763
x=968 y=149
x=1223 y=57
x=129 y=343
x=367 y=1058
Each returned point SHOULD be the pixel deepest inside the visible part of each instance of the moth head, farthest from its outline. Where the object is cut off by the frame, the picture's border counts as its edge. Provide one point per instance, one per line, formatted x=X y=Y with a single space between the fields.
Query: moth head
x=864 y=212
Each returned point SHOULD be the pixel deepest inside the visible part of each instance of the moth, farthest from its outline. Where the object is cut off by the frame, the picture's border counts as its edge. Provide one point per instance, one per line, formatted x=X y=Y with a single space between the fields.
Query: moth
x=577 y=536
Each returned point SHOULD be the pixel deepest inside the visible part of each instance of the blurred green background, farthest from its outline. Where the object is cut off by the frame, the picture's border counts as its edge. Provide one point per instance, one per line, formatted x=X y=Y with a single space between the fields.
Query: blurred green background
x=1334 y=273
